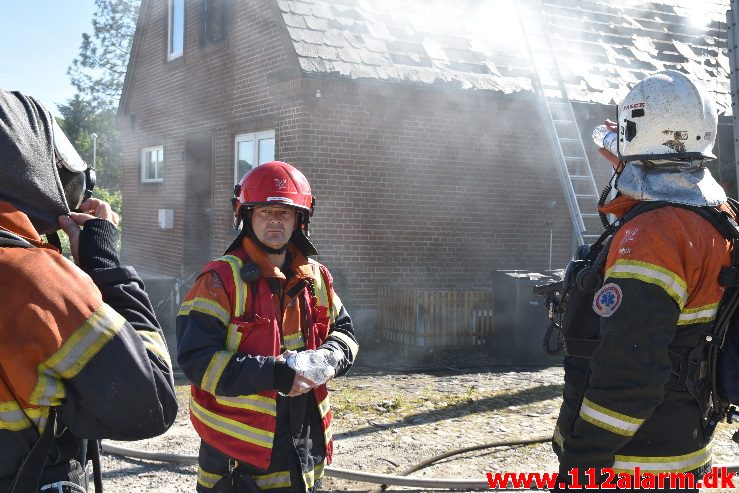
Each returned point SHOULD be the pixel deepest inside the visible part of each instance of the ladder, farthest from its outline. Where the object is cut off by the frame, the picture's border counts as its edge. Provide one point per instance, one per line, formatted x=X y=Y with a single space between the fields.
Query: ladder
x=572 y=162
x=732 y=41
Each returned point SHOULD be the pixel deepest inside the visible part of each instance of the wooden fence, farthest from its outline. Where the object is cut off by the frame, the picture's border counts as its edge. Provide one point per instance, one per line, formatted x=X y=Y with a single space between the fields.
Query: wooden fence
x=435 y=318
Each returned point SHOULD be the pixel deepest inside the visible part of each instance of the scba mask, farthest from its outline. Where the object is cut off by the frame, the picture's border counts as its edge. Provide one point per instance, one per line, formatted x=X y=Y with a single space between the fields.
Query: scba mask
x=41 y=174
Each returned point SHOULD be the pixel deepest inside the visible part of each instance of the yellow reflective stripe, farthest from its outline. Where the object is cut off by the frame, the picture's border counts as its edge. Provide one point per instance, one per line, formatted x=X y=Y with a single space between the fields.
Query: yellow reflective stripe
x=254 y=402
x=207 y=479
x=230 y=427
x=311 y=477
x=207 y=306
x=558 y=438
x=233 y=338
x=324 y=406
x=319 y=286
x=15 y=418
x=153 y=342
x=280 y=479
x=49 y=390
x=608 y=419
x=240 y=287
x=328 y=434
x=74 y=354
x=675 y=463
x=351 y=343
x=294 y=341
x=702 y=314
x=335 y=308
x=653 y=274
x=213 y=373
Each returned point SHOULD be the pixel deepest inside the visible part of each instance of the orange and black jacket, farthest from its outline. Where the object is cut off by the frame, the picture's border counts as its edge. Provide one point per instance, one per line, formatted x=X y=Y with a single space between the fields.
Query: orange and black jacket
x=229 y=332
x=628 y=405
x=82 y=339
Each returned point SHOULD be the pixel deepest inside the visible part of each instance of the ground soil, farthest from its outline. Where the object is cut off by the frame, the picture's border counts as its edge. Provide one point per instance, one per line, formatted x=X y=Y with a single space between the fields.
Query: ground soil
x=392 y=412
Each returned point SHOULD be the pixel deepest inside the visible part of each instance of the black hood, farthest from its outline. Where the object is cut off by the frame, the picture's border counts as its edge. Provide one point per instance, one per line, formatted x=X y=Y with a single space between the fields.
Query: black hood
x=28 y=174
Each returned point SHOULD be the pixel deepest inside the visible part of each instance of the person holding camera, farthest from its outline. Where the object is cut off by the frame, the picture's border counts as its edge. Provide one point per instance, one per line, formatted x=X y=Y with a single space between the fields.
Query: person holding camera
x=82 y=356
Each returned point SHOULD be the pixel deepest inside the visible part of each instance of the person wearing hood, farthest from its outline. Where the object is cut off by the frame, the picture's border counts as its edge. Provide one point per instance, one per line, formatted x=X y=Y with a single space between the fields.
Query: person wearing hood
x=631 y=401
x=82 y=355
x=259 y=334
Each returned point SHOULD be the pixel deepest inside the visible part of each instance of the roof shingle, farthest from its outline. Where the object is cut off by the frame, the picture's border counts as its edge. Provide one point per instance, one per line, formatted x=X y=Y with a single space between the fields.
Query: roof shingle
x=601 y=48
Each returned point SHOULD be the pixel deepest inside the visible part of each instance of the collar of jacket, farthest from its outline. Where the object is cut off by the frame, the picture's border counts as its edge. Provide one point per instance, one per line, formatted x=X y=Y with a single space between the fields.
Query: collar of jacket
x=299 y=265
x=623 y=204
x=16 y=222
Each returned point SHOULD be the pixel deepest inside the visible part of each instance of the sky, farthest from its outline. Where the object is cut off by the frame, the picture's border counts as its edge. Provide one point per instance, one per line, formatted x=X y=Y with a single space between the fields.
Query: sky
x=38 y=41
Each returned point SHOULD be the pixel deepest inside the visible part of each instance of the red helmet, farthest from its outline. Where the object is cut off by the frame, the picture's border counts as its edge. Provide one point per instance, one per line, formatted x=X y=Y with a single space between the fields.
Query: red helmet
x=273 y=183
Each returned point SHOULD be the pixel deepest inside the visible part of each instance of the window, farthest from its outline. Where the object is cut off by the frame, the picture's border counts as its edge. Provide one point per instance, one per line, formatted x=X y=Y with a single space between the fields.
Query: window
x=152 y=164
x=252 y=150
x=214 y=21
x=176 y=31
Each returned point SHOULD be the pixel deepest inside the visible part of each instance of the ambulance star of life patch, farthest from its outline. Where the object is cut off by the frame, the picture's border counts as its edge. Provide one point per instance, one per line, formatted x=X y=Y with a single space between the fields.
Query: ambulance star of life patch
x=607 y=300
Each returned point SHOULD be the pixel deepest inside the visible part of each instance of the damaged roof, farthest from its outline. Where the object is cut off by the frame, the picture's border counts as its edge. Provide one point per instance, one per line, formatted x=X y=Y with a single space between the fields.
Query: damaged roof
x=602 y=48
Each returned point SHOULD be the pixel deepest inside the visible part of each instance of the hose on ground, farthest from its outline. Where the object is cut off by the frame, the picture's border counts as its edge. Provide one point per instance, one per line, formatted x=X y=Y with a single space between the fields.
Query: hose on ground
x=366 y=477
x=464 y=450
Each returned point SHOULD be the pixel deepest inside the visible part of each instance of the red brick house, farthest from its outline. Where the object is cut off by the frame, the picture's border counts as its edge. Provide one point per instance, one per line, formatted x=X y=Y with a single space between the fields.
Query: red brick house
x=416 y=123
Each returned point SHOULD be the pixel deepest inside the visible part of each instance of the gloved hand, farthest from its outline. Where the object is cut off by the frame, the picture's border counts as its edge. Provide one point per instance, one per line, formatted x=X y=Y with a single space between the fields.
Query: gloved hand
x=312 y=364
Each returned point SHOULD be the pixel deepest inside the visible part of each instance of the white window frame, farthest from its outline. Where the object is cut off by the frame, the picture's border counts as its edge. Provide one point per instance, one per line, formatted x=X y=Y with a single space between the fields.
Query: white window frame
x=145 y=160
x=175 y=7
x=251 y=137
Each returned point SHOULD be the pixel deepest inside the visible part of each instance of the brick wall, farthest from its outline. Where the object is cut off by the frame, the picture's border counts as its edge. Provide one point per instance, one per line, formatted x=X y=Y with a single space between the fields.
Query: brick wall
x=416 y=186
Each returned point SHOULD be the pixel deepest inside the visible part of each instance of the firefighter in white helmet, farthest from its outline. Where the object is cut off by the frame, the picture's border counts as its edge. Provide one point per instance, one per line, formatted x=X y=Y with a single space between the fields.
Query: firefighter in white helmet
x=632 y=395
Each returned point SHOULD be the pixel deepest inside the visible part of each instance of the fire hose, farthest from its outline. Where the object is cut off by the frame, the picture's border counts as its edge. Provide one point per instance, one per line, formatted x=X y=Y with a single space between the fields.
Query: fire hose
x=365 y=477
x=384 y=480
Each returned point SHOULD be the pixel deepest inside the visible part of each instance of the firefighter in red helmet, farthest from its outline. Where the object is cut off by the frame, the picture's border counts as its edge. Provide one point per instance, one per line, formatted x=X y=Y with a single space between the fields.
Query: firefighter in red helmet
x=259 y=335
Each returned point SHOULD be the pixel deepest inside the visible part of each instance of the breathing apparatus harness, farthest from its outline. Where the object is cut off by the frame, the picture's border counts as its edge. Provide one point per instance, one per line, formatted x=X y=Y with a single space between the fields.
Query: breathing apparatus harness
x=710 y=371
x=588 y=279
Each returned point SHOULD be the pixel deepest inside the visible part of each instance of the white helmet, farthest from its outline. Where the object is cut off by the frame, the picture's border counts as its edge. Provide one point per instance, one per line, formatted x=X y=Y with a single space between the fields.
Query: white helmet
x=666 y=116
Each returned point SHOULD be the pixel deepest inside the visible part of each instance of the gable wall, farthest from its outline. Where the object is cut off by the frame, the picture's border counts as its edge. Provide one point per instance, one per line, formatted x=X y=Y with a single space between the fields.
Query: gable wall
x=220 y=90
x=416 y=186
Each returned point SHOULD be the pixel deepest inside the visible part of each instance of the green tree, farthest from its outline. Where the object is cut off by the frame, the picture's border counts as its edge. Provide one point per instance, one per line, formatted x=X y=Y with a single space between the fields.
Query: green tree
x=98 y=73
x=99 y=70
x=79 y=121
